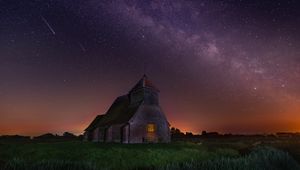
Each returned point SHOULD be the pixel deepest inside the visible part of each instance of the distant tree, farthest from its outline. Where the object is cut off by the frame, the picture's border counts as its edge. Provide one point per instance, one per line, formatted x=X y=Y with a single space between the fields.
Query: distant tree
x=173 y=130
x=176 y=133
x=46 y=136
x=210 y=134
x=189 y=134
x=14 y=137
x=69 y=135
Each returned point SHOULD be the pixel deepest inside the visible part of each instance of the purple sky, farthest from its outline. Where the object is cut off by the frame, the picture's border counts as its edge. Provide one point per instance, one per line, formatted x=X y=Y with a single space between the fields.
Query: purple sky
x=228 y=66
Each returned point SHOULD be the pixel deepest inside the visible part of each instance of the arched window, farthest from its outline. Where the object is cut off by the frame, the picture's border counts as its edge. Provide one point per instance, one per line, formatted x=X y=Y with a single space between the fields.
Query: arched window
x=150 y=127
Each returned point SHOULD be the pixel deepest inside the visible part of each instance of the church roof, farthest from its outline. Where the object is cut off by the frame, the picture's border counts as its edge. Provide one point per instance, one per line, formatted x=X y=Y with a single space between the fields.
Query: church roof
x=94 y=122
x=120 y=112
x=142 y=83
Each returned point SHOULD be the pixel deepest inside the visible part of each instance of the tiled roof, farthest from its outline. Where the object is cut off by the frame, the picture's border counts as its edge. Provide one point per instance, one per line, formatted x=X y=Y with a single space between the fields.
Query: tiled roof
x=120 y=112
x=94 y=122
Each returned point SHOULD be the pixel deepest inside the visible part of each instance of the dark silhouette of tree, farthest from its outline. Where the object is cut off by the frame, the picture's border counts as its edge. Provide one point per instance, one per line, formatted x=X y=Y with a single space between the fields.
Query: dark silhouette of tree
x=14 y=137
x=46 y=136
x=68 y=135
x=189 y=134
x=176 y=133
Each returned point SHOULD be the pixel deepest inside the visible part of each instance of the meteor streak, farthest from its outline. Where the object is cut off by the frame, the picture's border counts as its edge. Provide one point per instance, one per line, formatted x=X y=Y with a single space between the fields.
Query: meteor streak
x=48 y=25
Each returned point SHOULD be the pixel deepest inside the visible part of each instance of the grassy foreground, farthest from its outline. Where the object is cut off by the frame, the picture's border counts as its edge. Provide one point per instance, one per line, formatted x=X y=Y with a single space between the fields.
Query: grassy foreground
x=94 y=156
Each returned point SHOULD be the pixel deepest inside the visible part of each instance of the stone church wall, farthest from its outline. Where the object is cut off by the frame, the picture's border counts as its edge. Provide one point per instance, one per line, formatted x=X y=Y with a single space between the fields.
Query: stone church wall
x=149 y=114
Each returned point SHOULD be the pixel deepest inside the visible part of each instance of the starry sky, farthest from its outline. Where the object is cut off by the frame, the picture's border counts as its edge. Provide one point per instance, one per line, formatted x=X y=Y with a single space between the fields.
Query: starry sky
x=227 y=66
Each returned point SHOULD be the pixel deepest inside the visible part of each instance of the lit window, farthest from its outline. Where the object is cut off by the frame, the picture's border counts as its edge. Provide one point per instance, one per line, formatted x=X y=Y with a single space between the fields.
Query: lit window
x=150 y=127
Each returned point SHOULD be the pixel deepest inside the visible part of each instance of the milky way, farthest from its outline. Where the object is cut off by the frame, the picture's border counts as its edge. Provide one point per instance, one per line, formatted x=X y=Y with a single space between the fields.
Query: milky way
x=228 y=66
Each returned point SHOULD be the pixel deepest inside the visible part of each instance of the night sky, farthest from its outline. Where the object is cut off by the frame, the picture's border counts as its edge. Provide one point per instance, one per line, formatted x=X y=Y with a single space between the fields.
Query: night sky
x=227 y=66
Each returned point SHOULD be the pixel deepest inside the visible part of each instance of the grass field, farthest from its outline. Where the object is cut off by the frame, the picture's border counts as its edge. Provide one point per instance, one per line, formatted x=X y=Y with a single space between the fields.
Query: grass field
x=179 y=155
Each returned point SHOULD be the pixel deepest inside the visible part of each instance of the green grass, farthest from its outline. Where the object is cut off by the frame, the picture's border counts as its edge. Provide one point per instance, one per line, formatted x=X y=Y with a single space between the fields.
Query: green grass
x=110 y=156
x=261 y=158
x=94 y=156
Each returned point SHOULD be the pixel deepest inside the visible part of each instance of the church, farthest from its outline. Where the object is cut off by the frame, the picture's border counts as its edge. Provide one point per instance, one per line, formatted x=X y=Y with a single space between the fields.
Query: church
x=132 y=118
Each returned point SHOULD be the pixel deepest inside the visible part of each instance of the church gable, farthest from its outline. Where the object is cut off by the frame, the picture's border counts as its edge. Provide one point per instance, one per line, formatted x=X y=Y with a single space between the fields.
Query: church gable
x=149 y=116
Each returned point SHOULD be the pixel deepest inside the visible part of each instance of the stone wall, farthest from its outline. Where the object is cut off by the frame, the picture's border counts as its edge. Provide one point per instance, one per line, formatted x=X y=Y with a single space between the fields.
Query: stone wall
x=95 y=135
x=146 y=114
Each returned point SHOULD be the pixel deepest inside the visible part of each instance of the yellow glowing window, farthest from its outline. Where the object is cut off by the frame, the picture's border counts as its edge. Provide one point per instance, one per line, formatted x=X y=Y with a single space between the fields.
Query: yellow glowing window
x=150 y=127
